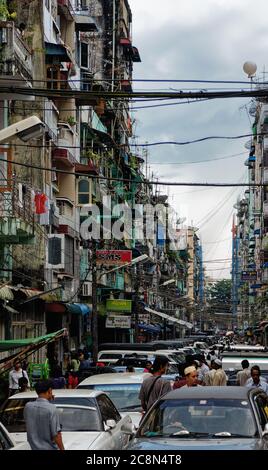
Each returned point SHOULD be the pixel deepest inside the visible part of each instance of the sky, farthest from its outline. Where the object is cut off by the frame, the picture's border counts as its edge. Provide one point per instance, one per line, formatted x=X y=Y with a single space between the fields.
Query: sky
x=199 y=40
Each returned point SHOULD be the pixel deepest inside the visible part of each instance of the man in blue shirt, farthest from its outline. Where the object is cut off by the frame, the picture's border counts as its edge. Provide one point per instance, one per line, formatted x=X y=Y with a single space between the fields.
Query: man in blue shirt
x=42 y=420
x=256 y=380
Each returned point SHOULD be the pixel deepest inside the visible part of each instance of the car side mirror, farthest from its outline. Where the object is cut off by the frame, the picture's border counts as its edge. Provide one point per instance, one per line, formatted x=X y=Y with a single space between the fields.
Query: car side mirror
x=128 y=428
x=109 y=424
x=265 y=431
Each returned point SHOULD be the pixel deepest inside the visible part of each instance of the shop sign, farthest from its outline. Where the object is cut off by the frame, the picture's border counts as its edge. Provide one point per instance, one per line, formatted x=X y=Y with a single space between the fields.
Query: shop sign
x=119 y=305
x=118 y=321
x=113 y=257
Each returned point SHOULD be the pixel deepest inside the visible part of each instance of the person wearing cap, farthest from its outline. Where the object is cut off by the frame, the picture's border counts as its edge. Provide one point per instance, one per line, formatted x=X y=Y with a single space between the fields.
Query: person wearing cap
x=42 y=420
x=219 y=377
x=191 y=376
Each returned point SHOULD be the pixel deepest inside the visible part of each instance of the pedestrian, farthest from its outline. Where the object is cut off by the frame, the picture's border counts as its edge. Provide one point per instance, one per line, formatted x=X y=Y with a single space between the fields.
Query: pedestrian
x=243 y=375
x=256 y=380
x=219 y=377
x=23 y=384
x=75 y=362
x=14 y=376
x=155 y=387
x=58 y=380
x=73 y=379
x=42 y=420
x=191 y=377
x=148 y=366
x=203 y=370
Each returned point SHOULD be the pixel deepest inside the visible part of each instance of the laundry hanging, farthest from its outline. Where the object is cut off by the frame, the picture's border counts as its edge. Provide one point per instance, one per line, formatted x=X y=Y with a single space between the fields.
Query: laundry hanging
x=40 y=203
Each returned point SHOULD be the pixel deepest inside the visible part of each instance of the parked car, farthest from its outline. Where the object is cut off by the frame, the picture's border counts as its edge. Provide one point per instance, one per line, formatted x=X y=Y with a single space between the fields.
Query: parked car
x=6 y=441
x=205 y=418
x=122 y=388
x=89 y=419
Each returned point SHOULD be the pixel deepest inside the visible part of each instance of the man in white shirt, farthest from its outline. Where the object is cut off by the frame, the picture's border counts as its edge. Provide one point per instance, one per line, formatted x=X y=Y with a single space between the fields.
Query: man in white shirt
x=256 y=380
x=14 y=376
x=243 y=375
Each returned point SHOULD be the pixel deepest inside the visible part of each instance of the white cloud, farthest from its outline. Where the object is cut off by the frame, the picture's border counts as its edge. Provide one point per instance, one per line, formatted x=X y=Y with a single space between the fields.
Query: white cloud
x=209 y=40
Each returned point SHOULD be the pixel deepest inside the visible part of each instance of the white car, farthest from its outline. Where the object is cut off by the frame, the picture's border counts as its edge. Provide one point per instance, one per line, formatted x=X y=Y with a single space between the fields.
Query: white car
x=89 y=420
x=122 y=388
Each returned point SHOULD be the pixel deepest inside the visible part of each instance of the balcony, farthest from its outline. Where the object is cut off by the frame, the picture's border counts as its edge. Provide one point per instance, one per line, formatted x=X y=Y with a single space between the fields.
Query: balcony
x=15 y=57
x=83 y=21
x=66 y=150
x=51 y=116
x=64 y=157
x=65 y=8
x=17 y=223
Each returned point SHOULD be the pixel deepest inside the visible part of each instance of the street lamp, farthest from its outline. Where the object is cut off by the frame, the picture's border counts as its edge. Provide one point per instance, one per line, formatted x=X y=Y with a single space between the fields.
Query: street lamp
x=139 y=259
x=26 y=129
x=166 y=283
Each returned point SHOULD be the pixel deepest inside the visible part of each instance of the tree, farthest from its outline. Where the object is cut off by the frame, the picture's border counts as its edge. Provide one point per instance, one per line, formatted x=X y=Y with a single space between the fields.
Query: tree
x=219 y=296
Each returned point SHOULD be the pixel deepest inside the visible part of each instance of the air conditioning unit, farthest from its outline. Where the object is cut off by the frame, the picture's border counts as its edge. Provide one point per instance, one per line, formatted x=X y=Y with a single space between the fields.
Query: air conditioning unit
x=264 y=118
x=86 y=289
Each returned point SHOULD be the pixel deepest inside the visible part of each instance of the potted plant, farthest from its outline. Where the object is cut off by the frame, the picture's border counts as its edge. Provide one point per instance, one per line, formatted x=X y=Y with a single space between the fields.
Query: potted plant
x=71 y=120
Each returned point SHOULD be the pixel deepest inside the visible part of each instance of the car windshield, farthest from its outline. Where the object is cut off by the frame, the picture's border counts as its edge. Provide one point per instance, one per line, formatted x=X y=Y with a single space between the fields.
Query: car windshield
x=78 y=419
x=124 y=396
x=212 y=417
x=13 y=420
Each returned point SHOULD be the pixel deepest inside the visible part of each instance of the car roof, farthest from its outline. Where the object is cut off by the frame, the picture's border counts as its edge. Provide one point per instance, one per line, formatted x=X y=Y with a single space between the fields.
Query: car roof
x=209 y=392
x=58 y=393
x=116 y=378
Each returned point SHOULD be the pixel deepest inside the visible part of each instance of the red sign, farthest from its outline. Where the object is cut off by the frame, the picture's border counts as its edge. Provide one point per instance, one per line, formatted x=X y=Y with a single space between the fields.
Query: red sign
x=114 y=257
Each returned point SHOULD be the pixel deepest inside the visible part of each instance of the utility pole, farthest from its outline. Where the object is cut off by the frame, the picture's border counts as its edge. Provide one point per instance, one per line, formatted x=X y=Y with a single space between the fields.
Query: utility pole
x=136 y=304
x=94 y=323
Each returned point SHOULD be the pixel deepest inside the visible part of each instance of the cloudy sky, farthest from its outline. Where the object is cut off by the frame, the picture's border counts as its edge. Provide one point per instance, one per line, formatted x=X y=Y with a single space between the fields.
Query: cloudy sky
x=199 y=40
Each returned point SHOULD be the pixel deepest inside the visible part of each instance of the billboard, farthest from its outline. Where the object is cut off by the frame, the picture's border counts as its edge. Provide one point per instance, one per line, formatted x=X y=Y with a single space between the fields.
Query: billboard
x=113 y=257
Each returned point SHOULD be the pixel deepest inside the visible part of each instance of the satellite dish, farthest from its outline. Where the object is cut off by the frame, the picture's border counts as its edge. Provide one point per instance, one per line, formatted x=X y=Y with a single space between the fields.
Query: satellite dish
x=248 y=145
x=252 y=109
x=250 y=68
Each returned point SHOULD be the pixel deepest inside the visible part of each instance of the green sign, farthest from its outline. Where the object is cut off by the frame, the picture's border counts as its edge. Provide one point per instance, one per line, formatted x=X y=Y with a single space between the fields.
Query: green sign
x=119 y=305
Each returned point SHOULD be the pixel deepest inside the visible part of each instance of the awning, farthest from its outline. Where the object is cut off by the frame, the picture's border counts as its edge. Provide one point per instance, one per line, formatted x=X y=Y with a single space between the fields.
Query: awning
x=74 y=308
x=57 y=51
x=167 y=317
x=150 y=328
x=80 y=309
x=22 y=343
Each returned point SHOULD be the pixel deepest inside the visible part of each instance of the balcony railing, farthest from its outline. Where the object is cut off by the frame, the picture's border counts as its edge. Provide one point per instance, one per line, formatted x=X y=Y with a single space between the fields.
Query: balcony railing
x=17 y=220
x=15 y=56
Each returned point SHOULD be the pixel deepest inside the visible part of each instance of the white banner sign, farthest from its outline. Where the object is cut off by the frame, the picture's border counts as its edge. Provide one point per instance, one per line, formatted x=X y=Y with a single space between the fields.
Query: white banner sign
x=118 y=321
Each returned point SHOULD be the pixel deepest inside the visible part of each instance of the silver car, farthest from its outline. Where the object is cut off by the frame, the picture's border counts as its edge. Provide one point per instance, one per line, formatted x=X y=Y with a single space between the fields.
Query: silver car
x=206 y=418
x=89 y=420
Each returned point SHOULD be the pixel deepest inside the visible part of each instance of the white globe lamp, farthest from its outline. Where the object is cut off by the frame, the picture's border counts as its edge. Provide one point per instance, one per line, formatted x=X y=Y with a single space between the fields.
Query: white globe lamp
x=250 y=68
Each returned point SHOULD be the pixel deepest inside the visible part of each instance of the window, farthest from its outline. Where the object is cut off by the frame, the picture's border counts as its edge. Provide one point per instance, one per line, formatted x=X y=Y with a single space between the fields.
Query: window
x=83 y=192
x=84 y=55
x=69 y=255
x=107 y=409
x=53 y=77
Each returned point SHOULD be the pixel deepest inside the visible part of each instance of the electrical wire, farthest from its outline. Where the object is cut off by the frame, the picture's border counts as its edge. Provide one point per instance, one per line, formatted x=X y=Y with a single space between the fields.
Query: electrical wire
x=125 y=180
